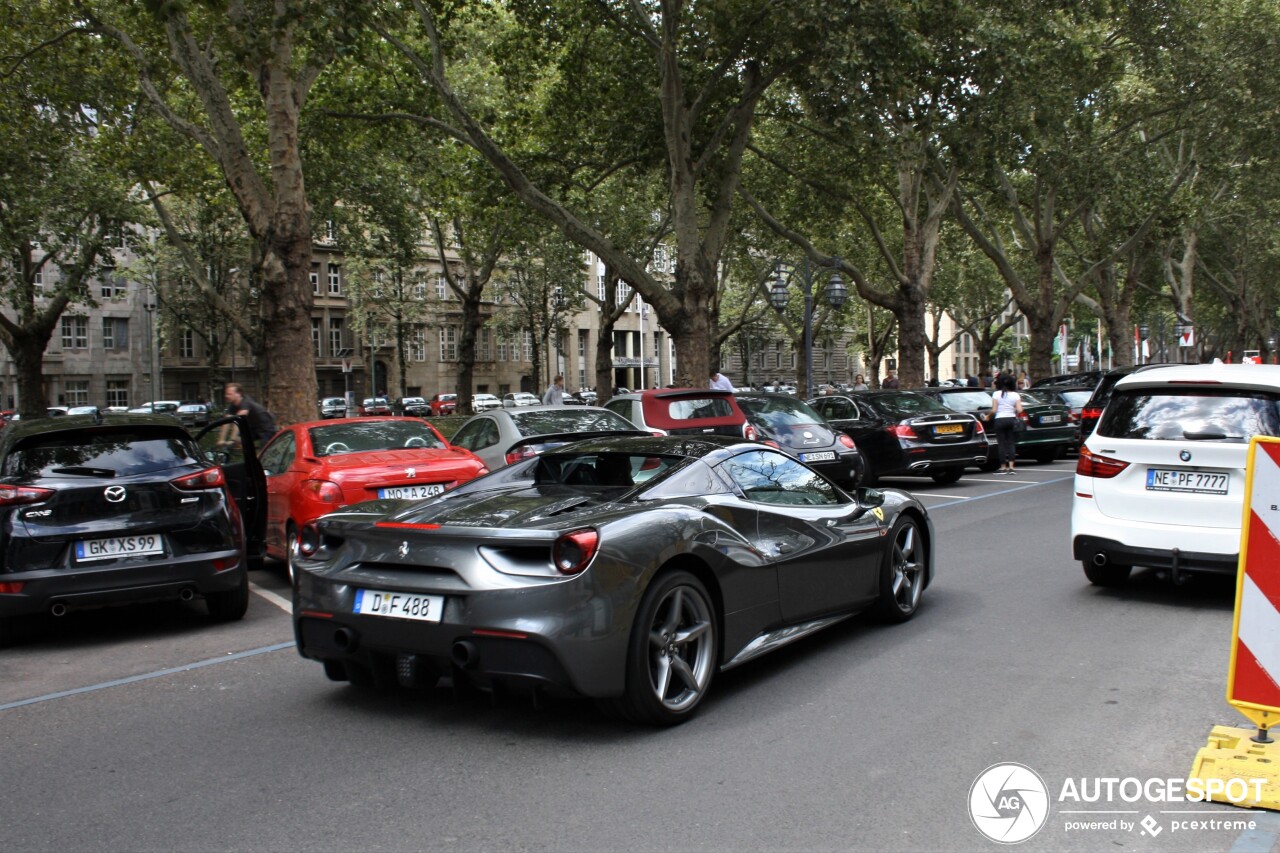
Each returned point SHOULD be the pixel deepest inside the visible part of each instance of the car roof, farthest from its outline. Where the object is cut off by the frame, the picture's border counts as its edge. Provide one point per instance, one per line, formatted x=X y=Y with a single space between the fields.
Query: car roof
x=18 y=430
x=1261 y=377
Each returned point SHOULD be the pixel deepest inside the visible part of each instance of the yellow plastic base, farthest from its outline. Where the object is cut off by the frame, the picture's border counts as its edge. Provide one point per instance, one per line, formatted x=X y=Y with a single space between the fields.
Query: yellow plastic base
x=1231 y=762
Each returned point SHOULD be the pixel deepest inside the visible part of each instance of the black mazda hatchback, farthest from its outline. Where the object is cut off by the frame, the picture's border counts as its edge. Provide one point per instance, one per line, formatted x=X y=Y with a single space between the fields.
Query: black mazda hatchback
x=131 y=508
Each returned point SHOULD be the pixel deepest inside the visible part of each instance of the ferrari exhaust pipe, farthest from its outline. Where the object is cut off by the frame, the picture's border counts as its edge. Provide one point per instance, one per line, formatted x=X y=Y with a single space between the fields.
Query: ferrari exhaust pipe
x=58 y=609
x=1099 y=559
x=464 y=653
x=344 y=639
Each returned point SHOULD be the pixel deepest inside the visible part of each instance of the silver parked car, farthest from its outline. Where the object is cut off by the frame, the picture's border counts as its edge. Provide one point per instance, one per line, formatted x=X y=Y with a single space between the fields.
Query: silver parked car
x=503 y=436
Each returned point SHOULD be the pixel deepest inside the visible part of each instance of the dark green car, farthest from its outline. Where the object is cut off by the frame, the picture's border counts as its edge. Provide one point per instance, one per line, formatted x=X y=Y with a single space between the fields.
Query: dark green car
x=1048 y=431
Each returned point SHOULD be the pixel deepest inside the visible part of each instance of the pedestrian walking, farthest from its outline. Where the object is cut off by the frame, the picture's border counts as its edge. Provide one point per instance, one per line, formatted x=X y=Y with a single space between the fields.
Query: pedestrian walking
x=1006 y=407
x=891 y=381
x=554 y=395
x=1024 y=381
x=860 y=383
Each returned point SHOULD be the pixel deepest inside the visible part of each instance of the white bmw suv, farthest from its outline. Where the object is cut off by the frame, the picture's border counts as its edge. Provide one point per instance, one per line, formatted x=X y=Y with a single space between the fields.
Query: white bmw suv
x=1161 y=481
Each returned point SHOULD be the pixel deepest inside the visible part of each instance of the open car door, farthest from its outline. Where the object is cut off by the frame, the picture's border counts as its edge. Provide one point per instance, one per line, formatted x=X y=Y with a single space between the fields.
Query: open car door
x=228 y=442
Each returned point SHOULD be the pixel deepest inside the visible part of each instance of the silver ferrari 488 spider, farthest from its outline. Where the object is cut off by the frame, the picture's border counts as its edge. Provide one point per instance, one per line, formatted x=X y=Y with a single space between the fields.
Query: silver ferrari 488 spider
x=627 y=569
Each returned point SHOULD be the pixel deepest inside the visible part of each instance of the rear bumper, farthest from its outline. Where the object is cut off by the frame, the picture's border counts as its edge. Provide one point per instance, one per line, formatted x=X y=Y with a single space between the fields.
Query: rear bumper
x=1092 y=549
x=92 y=586
x=1173 y=546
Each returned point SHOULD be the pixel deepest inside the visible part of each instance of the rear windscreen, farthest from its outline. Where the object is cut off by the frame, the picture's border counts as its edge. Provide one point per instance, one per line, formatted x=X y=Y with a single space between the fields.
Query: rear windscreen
x=112 y=453
x=694 y=409
x=1184 y=414
x=906 y=404
x=559 y=420
x=363 y=436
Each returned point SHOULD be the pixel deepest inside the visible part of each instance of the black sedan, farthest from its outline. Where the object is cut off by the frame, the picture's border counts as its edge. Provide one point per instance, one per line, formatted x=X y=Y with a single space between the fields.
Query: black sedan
x=901 y=432
x=97 y=512
x=627 y=569
x=794 y=427
x=1047 y=430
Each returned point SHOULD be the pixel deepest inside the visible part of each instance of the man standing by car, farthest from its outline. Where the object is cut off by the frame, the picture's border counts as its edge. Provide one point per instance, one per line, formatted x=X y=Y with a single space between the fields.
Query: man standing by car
x=719 y=381
x=555 y=393
x=261 y=424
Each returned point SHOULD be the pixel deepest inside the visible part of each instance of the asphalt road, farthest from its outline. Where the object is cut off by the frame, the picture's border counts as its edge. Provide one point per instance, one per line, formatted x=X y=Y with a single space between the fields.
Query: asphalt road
x=863 y=737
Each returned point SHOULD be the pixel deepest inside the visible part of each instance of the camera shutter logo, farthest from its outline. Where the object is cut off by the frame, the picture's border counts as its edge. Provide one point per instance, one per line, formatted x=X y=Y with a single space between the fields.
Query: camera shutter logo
x=1008 y=803
x=115 y=494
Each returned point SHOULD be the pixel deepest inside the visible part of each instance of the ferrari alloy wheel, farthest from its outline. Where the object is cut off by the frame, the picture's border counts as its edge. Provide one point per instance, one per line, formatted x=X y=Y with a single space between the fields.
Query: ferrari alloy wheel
x=902 y=579
x=673 y=651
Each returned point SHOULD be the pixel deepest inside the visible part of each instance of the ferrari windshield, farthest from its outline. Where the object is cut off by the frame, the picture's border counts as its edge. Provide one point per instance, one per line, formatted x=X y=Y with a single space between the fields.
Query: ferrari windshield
x=363 y=436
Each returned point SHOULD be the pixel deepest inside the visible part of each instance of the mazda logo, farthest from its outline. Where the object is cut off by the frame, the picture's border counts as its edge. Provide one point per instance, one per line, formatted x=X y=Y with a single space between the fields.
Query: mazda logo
x=115 y=494
x=1185 y=456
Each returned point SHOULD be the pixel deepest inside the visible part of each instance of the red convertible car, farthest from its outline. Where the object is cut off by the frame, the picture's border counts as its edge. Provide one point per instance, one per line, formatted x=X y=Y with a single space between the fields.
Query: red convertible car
x=315 y=468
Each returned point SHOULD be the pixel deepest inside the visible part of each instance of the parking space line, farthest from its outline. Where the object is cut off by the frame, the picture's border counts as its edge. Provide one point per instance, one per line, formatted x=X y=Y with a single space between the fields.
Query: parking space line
x=160 y=673
x=278 y=600
x=932 y=495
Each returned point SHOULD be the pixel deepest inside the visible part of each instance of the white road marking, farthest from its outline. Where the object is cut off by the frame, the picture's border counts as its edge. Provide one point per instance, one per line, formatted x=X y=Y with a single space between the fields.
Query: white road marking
x=932 y=495
x=278 y=600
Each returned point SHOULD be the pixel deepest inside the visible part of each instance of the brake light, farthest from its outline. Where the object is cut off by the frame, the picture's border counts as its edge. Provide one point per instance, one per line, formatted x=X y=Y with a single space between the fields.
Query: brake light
x=1090 y=414
x=903 y=431
x=11 y=587
x=978 y=428
x=14 y=495
x=847 y=442
x=750 y=432
x=771 y=443
x=573 y=551
x=1022 y=416
x=209 y=478
x=1072 y=417
x=323 y=491
x=516 y=454
x=1090 y=464
x=309 y=539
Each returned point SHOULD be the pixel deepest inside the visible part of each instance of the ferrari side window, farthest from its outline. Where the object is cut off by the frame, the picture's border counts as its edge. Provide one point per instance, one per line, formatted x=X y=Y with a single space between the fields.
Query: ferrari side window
x=768 y=477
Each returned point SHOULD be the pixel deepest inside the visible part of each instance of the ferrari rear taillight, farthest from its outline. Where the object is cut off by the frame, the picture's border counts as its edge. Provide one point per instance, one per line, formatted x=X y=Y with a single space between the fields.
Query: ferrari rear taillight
x=573 y=551
x=309 y=539
x=1090 y=464
x=11 y=587
x=14 y=495
x=323 y=491
x=903 y=431
x=209 y=478
x=847 y=442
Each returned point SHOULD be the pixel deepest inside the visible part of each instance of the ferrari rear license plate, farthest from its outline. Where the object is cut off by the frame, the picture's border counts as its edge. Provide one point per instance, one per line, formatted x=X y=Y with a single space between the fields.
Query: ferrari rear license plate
x=1198 y=482
x=1051 y=419
x=119 y=546
x=820 y=456
x=399 y=605
x=411 y=492
x=948 y=429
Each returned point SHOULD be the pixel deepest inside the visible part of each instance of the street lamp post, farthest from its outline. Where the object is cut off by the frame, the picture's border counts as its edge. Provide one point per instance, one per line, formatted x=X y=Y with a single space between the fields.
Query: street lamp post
x=836 y=293
x=1144 y=332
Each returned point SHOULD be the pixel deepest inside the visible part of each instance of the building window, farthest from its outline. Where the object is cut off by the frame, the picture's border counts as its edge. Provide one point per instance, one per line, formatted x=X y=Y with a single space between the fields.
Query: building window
x=75 y=332
x=502 y=349
x=448 y=344
x=418 y=343
x=528 y=346
x=108 y=332
x=330 y=231
x=335 y=336
x=77 y=392
x=39 y=278
x=600 y=286
x=187 y=344
x=315 y=336
x=484 y=350
x=112 y=287
x=315 y=280
x=420 y=289
x=117 y=392
x=335 y=281
x=442 y=287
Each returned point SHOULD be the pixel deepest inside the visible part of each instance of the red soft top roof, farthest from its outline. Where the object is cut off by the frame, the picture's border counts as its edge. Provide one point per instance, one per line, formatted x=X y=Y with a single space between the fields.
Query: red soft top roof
x=655 y=403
